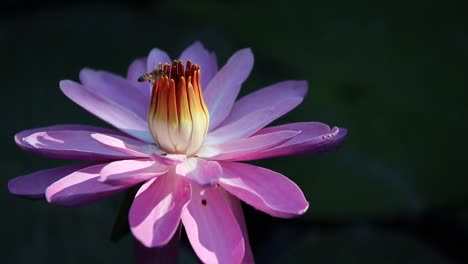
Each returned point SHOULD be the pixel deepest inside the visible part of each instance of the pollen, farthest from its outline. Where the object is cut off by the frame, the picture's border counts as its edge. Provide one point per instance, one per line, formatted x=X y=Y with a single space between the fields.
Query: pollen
x=178 y=117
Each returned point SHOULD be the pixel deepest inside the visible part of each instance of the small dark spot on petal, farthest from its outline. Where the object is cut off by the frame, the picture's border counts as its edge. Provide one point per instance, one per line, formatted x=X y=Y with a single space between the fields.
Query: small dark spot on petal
x=203 y=202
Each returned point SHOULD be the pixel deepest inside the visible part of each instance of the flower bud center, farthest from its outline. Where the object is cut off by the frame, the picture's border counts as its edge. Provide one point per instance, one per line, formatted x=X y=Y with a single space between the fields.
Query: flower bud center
x=178 y=118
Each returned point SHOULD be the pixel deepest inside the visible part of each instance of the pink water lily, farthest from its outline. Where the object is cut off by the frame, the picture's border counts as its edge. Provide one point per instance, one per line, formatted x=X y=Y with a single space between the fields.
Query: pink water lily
x=181 y=138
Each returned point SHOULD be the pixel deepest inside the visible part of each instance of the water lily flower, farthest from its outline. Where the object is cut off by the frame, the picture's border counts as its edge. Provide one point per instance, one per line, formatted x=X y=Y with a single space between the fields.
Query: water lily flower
x=182 y=138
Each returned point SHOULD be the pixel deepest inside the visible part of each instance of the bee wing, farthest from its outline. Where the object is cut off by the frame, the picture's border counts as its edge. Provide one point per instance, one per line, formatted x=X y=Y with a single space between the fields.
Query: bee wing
x=151 y=76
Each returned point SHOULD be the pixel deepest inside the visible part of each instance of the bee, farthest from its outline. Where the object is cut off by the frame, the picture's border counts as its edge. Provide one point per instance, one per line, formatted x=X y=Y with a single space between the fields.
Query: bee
x=151 y=76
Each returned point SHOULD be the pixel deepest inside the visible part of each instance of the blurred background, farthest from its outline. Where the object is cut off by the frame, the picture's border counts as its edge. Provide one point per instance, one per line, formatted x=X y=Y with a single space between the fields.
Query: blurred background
x=394 y=74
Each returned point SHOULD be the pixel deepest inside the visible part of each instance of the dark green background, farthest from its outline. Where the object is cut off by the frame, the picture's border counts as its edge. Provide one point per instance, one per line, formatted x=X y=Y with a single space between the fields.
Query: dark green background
x=394 y=74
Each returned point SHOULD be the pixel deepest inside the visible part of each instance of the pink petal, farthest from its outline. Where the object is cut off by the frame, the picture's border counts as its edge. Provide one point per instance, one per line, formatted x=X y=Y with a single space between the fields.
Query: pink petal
x=131 y=172
x=206 y=60
x=156 y=56
x=34 y=185
x=252 y=113
x=155 y=212
x=135 y=70
x=222 y=90
x=168 y=159
x=81 y=187
x=241 y=128
x=315 y=138
x=25 y=146
x=236 y=149
x=115 y=89
x=68 y=144
x=125 y=145
x=116 y=115
x=136 y=148
x=283 y=96
x=202 y=171
x=236 y=209
x=264 y=189
x=212 y=228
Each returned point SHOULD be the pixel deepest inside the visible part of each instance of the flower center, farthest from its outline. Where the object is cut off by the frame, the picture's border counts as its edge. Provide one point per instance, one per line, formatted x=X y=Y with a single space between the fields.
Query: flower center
x=178 y=118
